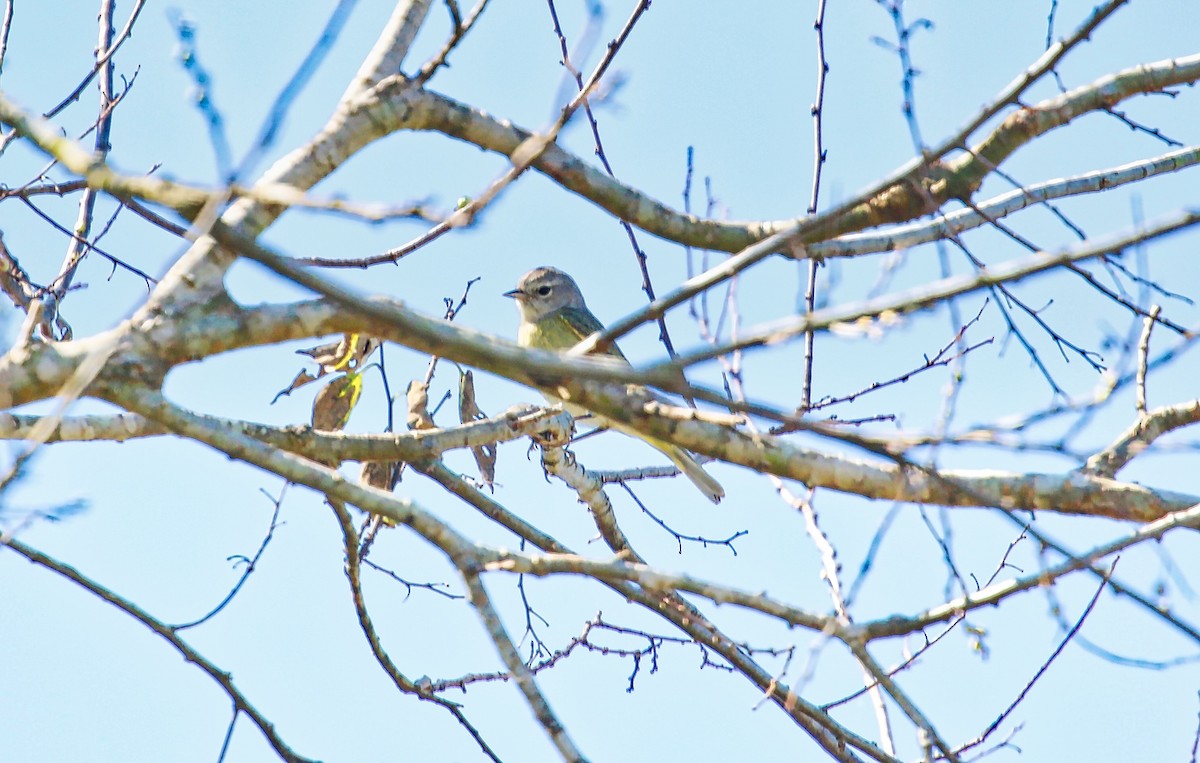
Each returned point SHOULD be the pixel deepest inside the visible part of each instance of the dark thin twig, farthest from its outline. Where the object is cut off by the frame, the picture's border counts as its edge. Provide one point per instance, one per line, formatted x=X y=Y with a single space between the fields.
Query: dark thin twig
x=461 y=27
x=100 y=62
x=537 y=647
x=942 y=358
x=1079 y=271
x=909 y=661
x=639 y=254
x=450 y=314
x=251 y=564
x=167 y=633
x=680 y=537
x=810 y=292
x=350 y=547
x=228 y=736
x=409 y=585
x=522 y=677
x=914 y=657
x=152 y=217
x=113 y=259
x=1045 y=665
x=1115 y=264
x=1056 y=610
x=391 y=255
x=524 y=157
x=1136 y=126
x=1188 y=630
x=1118 y=115
x=1052 y=208
x=79 y=246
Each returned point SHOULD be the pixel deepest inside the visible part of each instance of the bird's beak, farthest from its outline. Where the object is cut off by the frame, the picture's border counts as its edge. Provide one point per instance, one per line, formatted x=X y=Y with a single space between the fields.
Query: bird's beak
x=514 y=294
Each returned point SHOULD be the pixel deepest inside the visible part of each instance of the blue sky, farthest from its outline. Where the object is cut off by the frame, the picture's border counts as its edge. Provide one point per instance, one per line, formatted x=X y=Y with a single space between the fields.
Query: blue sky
x=163 y=517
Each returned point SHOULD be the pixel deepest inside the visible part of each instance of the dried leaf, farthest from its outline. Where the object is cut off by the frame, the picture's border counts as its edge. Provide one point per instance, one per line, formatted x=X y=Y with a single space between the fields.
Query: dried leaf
x=380 y=474
x=468 y=410
x=302 y=378
x=335 y=401
x=418 y=406
x=383 y=475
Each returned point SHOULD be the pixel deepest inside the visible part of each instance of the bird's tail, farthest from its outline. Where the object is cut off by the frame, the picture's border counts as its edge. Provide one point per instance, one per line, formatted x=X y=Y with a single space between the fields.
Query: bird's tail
x=692 y=470
x=681 y=458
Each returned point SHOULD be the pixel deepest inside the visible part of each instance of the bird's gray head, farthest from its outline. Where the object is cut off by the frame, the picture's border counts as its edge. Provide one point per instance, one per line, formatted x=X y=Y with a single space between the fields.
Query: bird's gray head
x=544 y=291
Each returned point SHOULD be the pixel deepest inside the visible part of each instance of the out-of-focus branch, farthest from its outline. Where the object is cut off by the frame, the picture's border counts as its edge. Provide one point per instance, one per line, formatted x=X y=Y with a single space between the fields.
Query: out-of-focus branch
x=117 y=427
x=5 y=28
x=390 y=49
x=1140 y=435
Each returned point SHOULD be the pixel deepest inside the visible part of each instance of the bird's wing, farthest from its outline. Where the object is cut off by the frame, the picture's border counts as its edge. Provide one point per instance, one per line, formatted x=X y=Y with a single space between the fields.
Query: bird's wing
x=584 y=324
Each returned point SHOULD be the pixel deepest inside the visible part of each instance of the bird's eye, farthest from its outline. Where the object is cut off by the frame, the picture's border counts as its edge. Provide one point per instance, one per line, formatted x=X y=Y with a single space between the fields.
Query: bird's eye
x=544 y=291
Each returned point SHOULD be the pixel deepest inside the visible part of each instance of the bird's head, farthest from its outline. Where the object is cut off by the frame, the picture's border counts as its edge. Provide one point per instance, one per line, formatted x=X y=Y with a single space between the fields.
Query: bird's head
x=544 y=291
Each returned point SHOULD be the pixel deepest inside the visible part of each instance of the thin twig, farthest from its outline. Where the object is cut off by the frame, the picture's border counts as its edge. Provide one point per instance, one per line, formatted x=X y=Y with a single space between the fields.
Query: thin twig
x=1045 y=665
x=168 y=634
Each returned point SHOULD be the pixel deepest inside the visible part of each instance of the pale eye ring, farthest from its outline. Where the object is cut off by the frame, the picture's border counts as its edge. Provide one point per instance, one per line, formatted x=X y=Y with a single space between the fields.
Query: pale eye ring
x=544 y=291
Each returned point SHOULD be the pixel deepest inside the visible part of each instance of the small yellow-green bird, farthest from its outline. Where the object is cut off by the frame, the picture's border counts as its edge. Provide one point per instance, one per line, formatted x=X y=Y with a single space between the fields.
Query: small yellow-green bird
x=555 y=317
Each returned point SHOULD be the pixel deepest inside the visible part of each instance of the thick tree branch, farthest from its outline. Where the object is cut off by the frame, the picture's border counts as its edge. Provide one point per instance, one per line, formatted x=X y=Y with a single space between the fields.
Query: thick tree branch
x=304 y=440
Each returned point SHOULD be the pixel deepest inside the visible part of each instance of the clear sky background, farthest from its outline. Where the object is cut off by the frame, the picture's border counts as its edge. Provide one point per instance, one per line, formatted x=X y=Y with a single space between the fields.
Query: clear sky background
x=163 y=518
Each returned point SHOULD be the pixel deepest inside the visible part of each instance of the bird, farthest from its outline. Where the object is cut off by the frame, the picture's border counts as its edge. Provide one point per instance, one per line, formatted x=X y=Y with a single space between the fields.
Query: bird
x=554 y=316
